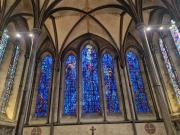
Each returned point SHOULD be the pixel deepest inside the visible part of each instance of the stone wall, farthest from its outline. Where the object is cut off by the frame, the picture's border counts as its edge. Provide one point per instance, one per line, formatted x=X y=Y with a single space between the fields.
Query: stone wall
x=100 y=129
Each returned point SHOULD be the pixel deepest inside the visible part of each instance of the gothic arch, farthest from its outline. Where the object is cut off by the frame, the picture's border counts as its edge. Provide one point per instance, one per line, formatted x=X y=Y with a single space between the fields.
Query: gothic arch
x=102 y=47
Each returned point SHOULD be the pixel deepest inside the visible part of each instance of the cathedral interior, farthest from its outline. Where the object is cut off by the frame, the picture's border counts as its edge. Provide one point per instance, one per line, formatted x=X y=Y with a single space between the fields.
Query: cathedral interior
x=89 y=67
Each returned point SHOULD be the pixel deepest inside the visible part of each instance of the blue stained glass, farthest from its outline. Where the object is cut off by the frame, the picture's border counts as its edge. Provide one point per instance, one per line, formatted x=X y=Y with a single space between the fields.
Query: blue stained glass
x=70 y=86
x=170 y=70
x=175 y=34
x=44 y=87
x=140 y=98
x=90 y=82
x=110 y=84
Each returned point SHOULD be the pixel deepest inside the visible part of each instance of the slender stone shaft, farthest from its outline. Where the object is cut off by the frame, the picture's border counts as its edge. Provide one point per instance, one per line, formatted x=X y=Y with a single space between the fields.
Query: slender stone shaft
x=156 y=82
x=28 y=84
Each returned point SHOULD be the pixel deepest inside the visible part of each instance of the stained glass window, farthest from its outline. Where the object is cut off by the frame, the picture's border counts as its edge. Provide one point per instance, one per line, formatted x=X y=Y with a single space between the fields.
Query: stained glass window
x=90 y=82
x=70 y=86
x=44 y=86
x=175 y=34
x=169 y=67
x=3 y=43
x=110 y=84
x=137 y=82
x=10 y=79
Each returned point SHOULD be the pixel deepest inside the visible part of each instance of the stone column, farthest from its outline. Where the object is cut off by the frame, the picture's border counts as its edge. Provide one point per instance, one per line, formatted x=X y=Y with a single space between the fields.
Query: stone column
x=28 y=84
x=156 y=81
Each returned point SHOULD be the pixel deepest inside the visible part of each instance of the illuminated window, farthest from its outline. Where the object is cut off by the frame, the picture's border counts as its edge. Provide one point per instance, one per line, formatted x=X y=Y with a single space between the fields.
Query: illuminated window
x=90 y=81
x=110 y=84
x=44 y=86
x=70 y=86
x=137 y=83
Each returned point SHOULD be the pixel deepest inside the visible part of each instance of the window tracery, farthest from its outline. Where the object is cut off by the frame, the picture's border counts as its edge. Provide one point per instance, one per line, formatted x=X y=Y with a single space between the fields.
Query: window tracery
x=89 y=76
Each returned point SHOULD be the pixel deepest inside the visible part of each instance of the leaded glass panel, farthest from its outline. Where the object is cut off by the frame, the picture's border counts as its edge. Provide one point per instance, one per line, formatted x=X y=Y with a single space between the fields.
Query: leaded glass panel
x=44 y=86
x=110 y=84
x=137 y=83
x=10 y=79
x=169 y=67
x=3 y=44
x=70 y=86
x=90 y=82
x=175 y=34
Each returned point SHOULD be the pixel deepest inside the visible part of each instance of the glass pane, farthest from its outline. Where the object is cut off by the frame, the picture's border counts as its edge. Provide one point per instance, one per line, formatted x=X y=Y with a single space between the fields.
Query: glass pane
x=175 y=34
x=44 y=87
x=10 y=79
x=3 y=44
x=170 y=70
x=136 y=79
x=110 y=84
x=90 y=82
x=70 y=86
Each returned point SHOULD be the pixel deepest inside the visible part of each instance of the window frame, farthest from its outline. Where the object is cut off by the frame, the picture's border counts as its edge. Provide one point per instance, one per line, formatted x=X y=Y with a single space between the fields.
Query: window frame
x=91 y=117
x=32 y=119
x=144 y=74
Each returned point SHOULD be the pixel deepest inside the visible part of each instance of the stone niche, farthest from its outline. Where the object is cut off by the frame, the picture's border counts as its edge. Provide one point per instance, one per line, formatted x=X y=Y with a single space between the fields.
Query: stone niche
x=100 y=129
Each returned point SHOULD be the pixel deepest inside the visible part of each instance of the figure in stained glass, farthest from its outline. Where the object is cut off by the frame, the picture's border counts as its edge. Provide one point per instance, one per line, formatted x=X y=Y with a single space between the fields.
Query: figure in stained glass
x=44 y=86
x=137 y=83
x=90 y=82
x=170 y=70
x=110 y=84
x=70 y=86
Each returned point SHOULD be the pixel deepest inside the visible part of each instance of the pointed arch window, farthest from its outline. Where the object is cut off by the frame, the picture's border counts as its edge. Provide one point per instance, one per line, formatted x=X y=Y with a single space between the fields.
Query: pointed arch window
x=44 y=87
x=3 y=43
x=90 y=81
x=137 y=83
x=175 y=34
x=170 y=70
x=10 y=79
x=110 y=84
x=70 y=94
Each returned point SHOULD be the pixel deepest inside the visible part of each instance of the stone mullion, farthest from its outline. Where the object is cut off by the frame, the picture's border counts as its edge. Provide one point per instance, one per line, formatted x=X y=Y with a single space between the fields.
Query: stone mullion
x=121 y=94
x=54 y=86
x=102 y=90
x=129 y=96
x=60 y=88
